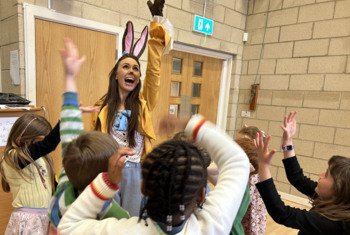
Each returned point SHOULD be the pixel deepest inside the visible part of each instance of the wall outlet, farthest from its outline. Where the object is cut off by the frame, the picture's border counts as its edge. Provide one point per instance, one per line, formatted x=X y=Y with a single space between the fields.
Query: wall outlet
x=245 y=113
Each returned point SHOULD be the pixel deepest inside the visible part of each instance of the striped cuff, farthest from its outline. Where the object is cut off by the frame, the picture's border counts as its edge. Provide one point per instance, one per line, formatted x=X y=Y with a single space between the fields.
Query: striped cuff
x=194 y=125
x=103 y=188
x=70 y=98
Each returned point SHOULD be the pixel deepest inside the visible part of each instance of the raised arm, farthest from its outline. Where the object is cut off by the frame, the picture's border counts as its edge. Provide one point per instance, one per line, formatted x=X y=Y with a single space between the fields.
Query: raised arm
x=160 y=31
x=307 y=222
x=233 y=167
x=43 y=147
x=293 y=170
x=71 y=117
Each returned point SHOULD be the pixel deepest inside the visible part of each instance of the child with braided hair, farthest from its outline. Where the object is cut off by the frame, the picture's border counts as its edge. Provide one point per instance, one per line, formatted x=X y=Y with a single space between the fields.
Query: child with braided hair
x=213 y=173
x=174 y=179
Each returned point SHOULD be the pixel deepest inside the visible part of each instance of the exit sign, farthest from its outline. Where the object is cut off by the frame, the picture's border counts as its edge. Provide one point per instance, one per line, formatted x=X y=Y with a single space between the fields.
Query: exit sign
x=203 y=25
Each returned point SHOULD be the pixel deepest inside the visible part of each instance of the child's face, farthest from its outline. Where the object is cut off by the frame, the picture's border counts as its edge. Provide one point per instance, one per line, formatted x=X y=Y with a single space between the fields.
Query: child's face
x=128 y=74
x=324 y=187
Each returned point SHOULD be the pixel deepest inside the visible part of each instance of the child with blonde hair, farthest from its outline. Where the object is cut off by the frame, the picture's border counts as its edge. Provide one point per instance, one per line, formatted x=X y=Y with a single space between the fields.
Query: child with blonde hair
x=27 y=172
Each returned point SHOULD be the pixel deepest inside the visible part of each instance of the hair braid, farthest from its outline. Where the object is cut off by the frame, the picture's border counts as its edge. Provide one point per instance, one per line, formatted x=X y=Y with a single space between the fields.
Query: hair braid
x=173 y=175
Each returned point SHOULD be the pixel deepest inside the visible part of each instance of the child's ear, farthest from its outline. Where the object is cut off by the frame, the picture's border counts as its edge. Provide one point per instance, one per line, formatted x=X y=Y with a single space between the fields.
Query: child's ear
x=201 y=196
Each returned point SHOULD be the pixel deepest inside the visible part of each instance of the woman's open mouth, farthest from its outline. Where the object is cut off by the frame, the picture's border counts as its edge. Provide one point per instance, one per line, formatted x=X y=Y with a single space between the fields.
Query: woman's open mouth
x=129 y=81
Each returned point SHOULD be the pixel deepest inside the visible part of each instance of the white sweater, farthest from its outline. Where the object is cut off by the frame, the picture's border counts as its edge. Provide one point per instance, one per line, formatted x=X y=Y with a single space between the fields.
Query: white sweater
x=219 y=210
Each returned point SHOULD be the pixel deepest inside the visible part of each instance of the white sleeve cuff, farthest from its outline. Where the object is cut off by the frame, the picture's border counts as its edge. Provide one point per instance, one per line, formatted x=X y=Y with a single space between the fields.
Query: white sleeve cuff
x=168 y=26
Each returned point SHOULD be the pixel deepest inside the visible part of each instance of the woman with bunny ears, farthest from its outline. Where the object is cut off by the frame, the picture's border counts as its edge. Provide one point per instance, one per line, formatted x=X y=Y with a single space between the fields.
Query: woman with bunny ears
x=126 y=111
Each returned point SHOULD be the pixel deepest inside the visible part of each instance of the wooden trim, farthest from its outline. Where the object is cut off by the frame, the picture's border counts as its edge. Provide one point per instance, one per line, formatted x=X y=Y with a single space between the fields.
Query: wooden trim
x=17 y=110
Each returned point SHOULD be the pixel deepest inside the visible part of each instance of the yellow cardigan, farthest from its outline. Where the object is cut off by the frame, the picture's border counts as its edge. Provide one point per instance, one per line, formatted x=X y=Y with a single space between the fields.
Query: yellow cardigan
x=159 y=39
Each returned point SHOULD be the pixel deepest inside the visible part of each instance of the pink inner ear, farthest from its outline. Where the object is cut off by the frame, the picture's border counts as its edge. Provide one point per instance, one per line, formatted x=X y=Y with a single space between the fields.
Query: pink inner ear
x=128 y=38
x=141 y=43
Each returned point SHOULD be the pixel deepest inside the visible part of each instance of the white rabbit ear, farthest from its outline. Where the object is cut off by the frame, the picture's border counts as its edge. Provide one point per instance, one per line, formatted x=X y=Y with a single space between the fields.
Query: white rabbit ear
x=141 y=43
x=128 y=38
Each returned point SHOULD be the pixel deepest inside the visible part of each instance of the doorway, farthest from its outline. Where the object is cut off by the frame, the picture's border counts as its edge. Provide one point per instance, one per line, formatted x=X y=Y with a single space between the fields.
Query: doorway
x=190 y=84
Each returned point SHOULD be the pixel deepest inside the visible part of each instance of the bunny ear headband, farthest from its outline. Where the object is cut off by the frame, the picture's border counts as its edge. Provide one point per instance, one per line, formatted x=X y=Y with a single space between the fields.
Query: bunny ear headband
x=128 y=41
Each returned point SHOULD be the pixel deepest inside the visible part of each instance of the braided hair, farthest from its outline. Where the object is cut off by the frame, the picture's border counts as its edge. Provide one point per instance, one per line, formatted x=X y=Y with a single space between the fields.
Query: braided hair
x=173 y=175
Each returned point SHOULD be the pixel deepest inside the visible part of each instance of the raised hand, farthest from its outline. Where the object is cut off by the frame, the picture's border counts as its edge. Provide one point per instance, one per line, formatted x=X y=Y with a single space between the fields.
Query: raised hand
x=156 y=8
x=262 y=146
x=172 y=124
x=70 y=58
x=289 y=126
x=116 y=164
x=90 y=109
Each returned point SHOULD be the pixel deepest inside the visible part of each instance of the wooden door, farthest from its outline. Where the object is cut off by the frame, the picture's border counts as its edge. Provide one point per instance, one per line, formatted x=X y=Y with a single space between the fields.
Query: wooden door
x=99 y=49
x=189 y=84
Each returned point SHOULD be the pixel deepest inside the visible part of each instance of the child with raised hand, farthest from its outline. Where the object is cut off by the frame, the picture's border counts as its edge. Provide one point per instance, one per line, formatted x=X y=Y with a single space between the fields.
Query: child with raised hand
x=85 y=155
x=174 y=178
x=27 y=172
x=330 y=196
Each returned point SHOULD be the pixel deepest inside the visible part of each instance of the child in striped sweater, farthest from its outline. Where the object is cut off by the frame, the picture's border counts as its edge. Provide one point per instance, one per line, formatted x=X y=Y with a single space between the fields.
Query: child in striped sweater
x=84 y=155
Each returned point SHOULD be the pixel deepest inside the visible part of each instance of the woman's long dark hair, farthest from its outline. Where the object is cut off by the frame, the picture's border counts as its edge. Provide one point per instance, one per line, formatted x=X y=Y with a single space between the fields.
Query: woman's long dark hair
x=112 y=99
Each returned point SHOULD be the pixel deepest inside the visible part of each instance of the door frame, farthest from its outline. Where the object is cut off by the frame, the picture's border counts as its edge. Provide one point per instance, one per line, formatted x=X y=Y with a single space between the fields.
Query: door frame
x=225 y=78
x=32 y=12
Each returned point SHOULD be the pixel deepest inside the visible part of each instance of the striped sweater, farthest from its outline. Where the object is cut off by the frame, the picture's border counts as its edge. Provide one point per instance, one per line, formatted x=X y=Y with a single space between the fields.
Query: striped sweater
x=70 y=128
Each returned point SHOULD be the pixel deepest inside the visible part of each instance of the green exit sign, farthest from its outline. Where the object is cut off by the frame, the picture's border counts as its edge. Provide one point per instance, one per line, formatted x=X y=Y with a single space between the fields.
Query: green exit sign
x=203 y=25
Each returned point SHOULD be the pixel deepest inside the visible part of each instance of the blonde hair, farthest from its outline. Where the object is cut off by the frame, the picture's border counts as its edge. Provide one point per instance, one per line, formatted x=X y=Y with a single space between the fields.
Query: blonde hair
x=249 y=148
x=24 y=132
x=338 y=207
x=249 y=131
x=87 y=156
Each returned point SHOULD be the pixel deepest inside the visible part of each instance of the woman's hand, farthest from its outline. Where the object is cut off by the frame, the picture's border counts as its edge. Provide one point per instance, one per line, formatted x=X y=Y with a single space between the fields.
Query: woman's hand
x=289 y=128
x=70 y=57
x=262 y=146
x=172 y=124
x=90 y=109
x=156 y=8
x=116 y=164
x=264 y=155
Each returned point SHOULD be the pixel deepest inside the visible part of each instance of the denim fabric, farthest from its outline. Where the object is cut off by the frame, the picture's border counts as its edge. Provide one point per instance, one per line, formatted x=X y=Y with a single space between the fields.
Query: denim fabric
x=130 y=195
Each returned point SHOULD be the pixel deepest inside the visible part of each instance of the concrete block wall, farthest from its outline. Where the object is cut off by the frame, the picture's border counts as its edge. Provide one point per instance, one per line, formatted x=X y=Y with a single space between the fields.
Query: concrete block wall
x=10 y=40
x=229 y=23
x=299 y=53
